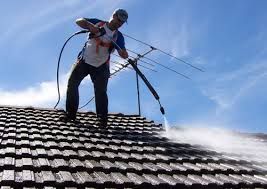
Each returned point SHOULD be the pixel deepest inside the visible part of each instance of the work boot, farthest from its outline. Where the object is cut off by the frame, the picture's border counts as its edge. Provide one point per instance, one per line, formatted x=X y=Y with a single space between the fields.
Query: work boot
x=66 y=117
x=102 y=121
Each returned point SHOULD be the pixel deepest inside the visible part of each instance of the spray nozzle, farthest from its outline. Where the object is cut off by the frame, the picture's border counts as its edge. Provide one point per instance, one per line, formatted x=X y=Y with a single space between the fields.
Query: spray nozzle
x=162 y=110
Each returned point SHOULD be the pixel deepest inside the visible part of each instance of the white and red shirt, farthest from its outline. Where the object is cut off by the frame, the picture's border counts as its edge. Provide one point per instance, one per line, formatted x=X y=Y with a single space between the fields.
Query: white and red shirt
x=97 y=50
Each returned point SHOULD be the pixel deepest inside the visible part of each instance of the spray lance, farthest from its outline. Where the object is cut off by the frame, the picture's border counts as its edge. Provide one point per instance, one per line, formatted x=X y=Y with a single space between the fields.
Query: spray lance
x=152 y=90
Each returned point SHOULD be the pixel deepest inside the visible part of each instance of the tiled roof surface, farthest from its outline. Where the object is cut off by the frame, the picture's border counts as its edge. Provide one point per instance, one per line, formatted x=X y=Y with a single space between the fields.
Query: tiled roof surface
x=38 y=150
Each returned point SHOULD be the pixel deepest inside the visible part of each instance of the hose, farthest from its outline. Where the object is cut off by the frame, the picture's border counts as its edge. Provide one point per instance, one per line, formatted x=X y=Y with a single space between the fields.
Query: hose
x=58 y=62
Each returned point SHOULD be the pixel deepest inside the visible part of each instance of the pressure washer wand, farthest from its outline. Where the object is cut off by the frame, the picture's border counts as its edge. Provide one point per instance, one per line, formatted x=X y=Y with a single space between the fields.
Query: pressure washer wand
x=133 y=64
x=152 y=90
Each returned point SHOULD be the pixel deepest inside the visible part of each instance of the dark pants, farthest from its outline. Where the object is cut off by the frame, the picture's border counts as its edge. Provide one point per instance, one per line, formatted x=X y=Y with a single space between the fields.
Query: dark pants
x=99 y=77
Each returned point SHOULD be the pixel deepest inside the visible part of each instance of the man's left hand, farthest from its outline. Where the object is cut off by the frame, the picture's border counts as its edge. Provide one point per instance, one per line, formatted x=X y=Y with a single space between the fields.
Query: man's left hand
x=123 y=53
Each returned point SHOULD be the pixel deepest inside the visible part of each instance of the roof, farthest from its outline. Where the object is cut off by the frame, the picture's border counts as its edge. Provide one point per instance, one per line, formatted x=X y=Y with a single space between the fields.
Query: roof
x=38 y=150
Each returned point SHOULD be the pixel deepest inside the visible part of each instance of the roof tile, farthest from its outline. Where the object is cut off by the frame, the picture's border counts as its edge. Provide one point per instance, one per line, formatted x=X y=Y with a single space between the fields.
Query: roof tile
x=38 y=150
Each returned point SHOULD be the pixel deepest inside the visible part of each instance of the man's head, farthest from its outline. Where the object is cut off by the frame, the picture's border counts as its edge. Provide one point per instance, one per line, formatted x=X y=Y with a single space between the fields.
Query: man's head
x=119 y=17
x=121 y=14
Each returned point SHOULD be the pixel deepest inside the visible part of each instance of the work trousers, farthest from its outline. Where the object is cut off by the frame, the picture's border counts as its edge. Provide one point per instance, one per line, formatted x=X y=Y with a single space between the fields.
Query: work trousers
x=99 y=77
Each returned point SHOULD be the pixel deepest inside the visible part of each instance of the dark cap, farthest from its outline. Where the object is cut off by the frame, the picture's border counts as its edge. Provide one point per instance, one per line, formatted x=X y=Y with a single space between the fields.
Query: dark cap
x=121 y=14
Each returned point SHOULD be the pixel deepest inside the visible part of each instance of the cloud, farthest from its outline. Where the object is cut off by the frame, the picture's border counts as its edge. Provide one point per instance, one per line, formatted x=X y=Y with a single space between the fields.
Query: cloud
x=178 y=44
x=228 y=88
x=49 y=17
x=27 y=21
x=71 y=2
x=43 y=94
x=199 y=61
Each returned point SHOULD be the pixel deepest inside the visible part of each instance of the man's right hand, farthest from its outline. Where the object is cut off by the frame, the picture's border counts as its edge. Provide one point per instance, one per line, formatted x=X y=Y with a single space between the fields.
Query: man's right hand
x=83 y=23
x=100 y=31
x=93 y=29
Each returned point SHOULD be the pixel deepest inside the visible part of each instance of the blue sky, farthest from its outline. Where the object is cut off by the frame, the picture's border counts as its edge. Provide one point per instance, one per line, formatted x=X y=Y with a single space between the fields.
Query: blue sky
x=225 y=38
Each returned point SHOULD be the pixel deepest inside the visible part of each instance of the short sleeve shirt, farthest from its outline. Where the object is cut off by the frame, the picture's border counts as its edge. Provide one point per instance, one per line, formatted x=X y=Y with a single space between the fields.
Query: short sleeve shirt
x=98 y=57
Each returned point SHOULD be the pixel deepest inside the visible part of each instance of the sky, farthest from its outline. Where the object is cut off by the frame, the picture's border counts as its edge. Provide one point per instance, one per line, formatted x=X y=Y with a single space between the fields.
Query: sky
x=227 y=39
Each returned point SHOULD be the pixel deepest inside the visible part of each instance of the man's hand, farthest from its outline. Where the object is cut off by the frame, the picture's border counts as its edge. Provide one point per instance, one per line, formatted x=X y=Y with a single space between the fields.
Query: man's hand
x=100 y=31
x=123 y=53
x=83 y=23
x=93 y=29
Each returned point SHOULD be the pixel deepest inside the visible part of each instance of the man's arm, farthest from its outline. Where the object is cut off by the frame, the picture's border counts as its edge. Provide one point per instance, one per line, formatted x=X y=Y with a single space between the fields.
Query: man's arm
x=85 y=24
x=121 y=46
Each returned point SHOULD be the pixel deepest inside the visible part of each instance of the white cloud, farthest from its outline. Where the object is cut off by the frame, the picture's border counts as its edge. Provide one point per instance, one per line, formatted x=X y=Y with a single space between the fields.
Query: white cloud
x=228 y=88
x=178 y=44
x=71 y=2
x=199 y=61
x=51 y=16
x=27 y=21
x=180 y=38
x=42 y=94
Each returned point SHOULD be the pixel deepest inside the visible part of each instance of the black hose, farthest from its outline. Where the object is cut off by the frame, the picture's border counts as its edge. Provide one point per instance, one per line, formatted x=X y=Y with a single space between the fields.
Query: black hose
x=152 y=90
x=58 y=63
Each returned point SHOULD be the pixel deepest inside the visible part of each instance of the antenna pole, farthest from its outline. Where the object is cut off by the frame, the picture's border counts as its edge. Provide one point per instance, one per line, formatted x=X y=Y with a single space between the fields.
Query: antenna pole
x=137 y=80
x=138 y=94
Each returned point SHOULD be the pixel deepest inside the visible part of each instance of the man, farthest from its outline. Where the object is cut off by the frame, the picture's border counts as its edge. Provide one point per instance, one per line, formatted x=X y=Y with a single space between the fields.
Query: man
x=94 y=60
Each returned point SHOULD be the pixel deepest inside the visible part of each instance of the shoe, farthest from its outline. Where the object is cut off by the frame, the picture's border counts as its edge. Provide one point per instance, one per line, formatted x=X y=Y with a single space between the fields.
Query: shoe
x=67 y=118
x=102 y=122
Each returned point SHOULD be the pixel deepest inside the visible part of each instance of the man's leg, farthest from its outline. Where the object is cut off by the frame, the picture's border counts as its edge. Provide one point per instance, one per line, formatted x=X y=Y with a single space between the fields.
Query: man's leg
x=100 y=79
x=79 y=71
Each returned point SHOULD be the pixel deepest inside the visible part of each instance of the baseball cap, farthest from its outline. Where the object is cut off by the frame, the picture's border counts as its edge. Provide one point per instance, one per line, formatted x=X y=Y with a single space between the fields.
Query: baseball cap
x=121 y=14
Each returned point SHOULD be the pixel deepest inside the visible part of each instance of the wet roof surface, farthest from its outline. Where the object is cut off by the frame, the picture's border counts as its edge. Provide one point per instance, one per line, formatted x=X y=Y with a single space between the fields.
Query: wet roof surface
x=38 y=150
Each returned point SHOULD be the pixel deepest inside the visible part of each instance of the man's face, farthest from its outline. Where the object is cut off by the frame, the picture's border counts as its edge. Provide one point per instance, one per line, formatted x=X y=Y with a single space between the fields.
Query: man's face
x=117 y=22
